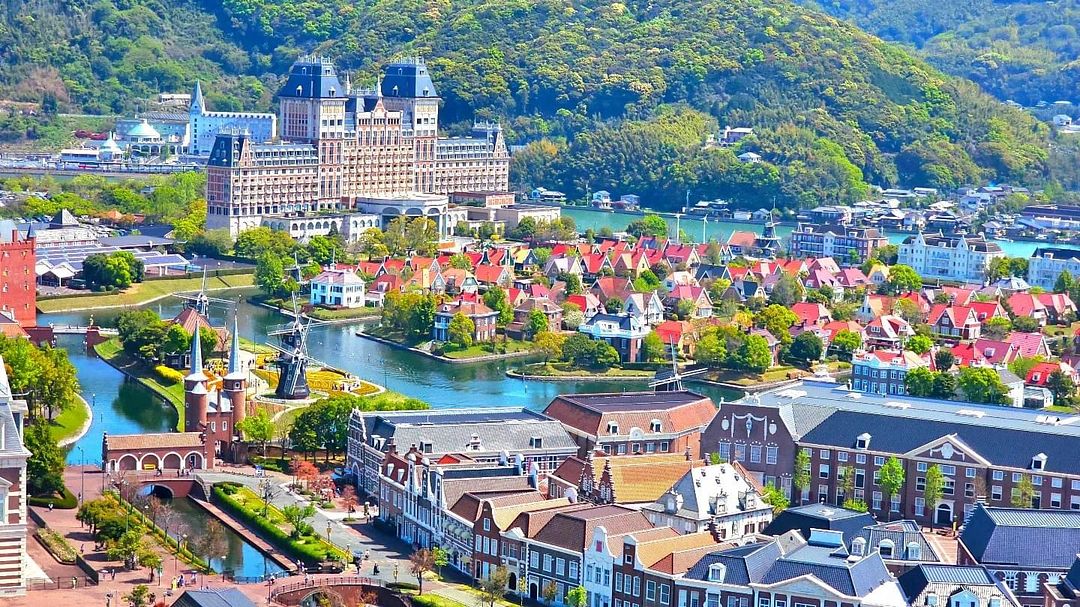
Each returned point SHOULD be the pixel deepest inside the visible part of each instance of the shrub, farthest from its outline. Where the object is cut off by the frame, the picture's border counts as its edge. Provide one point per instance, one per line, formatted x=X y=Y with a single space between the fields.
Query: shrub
x=313 y=552
x=57 y=545
x=67 y=501
x=169 y=374
x=402 y=586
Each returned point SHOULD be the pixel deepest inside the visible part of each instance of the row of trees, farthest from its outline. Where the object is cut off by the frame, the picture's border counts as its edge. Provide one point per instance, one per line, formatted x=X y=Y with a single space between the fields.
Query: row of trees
x=111 y=271
x=325 y=424
x=145 y=335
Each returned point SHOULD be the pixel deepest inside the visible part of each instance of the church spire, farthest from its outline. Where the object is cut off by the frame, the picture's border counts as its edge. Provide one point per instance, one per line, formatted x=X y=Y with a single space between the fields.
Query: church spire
x=197 y=103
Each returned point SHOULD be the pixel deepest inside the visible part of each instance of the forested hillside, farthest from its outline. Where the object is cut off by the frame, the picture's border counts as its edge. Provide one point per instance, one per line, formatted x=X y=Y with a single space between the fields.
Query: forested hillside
x=1028 y=51
x=610 y=95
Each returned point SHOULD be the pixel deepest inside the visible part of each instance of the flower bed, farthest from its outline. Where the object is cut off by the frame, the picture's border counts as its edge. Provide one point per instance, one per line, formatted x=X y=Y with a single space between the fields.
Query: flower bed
x=57 y=546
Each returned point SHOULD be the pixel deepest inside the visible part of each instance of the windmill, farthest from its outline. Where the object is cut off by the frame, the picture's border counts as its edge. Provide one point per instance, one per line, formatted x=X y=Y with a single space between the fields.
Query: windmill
x=201 y=301
x=292 y=358
x=671 y=381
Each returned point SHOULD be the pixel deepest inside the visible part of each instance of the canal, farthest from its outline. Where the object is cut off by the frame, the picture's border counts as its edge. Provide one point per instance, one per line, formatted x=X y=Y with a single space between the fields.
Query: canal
x=721 y=230
x=126 y=407
x=240 y=557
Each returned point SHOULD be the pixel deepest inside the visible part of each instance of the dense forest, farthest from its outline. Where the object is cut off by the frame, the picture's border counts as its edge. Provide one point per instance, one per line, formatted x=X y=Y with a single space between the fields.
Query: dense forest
x=1024 y=50
x=619 y=96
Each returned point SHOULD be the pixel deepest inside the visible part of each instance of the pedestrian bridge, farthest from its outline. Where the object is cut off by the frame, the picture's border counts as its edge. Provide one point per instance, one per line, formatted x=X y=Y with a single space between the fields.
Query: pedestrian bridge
x=78 y=330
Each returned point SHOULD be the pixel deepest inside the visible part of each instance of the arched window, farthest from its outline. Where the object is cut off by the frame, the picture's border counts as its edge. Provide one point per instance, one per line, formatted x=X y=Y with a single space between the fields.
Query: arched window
x=858 y=546
x=914 y=551
x=886 y=548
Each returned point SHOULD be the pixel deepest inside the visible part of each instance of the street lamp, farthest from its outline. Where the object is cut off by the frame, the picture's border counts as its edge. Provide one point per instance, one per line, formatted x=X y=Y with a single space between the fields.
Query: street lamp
x=82 y=474
x=328 y=532
x=223 y=568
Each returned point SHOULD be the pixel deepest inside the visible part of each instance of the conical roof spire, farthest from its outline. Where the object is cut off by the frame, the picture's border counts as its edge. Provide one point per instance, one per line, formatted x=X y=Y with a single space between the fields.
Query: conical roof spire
x=196 y=357
x=197 y=102
x=234 y=351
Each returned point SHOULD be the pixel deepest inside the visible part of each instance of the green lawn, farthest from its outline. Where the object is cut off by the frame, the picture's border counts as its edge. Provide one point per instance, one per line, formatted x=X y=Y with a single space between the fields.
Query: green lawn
x=510 y=346
x=143 y=292
x=565 y=370
x=344 y=313
x=112 y=351
x=69 y=421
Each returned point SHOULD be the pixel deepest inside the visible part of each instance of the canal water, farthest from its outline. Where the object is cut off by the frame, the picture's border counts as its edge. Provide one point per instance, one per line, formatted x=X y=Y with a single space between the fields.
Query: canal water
x=243 y=559
x=721 y=230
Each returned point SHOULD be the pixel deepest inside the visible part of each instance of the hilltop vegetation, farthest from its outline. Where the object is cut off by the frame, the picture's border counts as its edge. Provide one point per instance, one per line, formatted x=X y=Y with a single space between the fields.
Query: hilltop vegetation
x=1021 y=50
x=618 y=96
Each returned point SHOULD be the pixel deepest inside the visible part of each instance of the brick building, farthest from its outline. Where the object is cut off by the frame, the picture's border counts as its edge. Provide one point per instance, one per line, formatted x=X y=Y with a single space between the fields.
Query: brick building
x=18 y=296
x=634 y=422
x=982 y=451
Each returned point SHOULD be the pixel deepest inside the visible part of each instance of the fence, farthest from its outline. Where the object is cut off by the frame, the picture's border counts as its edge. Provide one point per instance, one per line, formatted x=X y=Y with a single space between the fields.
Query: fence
x=63 y=583
x=253 y=579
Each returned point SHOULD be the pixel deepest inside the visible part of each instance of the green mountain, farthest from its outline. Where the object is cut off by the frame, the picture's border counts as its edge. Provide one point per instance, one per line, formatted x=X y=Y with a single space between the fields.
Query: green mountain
x=1028 y=51
x=610 y=95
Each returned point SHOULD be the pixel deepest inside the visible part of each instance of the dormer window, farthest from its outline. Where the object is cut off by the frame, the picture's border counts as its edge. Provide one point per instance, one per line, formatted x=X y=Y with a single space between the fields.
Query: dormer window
x=1038 y=462
x=536 y=442
x=914 y=551
x=858 y=546
x=655 y=426
x=995 y=601
x=862 y=441
x=886 y=548
x=931 y=600
x=717 y=571
x=613 y=428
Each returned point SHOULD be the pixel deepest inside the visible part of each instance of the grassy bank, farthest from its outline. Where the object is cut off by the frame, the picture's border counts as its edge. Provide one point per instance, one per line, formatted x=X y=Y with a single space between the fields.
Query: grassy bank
x=565 y=370
x=70 y=421
x=344 y=313
x=775 y=374
x=510 y=346
x=112 y=352
x=143 y=292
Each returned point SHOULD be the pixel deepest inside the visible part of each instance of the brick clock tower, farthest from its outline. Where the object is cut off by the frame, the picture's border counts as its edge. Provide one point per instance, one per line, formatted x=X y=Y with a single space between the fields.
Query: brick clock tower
x=18 y=281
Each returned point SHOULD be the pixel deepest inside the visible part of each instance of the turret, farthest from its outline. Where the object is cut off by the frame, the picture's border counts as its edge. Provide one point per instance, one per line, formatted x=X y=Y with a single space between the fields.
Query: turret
x=196 y=398
x=198 y=105
x=234 y=385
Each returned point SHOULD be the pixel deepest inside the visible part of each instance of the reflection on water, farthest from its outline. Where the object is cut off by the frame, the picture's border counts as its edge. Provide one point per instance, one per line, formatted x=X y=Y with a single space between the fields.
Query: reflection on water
x=130 y=408
x=240 y=557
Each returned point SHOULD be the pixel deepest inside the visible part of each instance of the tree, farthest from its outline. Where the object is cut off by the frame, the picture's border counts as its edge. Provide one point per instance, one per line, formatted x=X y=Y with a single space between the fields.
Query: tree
x=460 y=330
x=613 y=305
x=45 y=466
x=800 y=478
x=127 y=547
x=112 y=271
x=775 y=498
x=461 y=261
x=892 y=480
x=787 y=291
x=919 y=344
x=944 y=385
x=549 y=344
x=297 y=517
x=649 y=225
x=845 y=342
x=934 y=488
x=572 y=316
x=652 y=348
x=550 y=591
x=919 y=382
x=754 y=354
x=440 y=557
x=151 y=560
x=982 y=385
x=139 y=596
x=856 y=504
x=1025 y=324
x=573 y=284
x=1064 y=282
x=495 y=298
x=807 y=348
x=902 y=279
x=944 y=359
x=997 y=328
x=535 y=323
x=1061 y=386
x=577 y=597
x=685 y=308
x=493 y=586
x=1023 y=494
x=258 y=428
x=777 y=319
x=1022 y=365
x=647 y=281
x=421 y=562
x=908 y=310
x=270 y=273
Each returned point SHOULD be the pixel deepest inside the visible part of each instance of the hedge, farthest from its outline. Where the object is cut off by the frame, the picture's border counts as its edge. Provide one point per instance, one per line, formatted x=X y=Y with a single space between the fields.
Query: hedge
x=310 y=554
x=168 y=374
x=66 y=502
x=402 y=586
x=274 y=464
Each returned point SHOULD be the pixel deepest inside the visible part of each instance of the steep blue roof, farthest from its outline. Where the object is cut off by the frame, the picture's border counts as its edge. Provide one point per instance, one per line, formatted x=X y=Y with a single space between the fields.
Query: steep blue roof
x=915 y=580
x=408 y=78
x=312 y=78
x=820 y=516
x=1020 y=537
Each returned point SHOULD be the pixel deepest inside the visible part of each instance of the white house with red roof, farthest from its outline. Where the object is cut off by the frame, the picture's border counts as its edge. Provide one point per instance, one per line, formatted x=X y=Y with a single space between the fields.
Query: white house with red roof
x=887 y=331
x=954 y=321
x=338 y=288
x=811 y=314
x=1029 y=344
x=1041 y=372
x=1058 y=306
x=1026 y=304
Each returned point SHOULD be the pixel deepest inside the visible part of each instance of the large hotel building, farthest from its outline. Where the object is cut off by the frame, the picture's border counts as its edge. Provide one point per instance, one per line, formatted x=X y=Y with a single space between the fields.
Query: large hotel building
x=356 y=159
